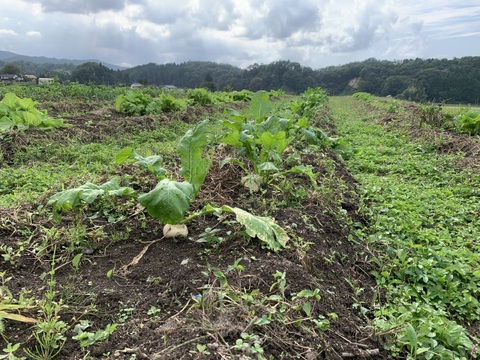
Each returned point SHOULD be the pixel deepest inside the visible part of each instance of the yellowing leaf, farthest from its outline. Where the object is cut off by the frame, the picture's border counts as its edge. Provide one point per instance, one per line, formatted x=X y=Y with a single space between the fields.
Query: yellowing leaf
x=263 y=228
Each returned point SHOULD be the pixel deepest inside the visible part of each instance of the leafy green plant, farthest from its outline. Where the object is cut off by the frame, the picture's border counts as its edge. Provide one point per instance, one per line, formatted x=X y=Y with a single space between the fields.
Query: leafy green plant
x=170 y=103
x=310 y=102
x=76 y=198
x=363 y=96
x=153 y=311
x=243 y=95
x=87 y=338
x=10 y=254
x=200 y=349
x=171 y=199
x=432 y=114
x=271 y=235
x=133 y=103
x=263 y=138
x=249 y=344
x=468 y=123
x=50 y=330
x=9 y=352
x=140 y=103
x=124 y=314
x=277 y=93
x=22 y=113
x=200 y=96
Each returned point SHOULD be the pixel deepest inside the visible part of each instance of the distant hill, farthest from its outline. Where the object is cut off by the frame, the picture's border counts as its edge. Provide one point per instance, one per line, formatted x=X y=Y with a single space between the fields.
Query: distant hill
x=7 y=56
x=454 y=81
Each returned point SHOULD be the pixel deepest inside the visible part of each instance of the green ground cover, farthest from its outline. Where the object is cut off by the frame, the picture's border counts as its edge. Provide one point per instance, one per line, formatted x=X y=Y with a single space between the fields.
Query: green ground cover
x=425 y=226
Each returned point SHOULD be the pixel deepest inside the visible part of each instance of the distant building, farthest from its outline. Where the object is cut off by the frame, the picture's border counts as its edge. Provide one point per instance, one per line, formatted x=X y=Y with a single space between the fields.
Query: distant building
x=11 y=77
x=30 y=78
x=45 y=81
x=136 y=85
x=169 y=87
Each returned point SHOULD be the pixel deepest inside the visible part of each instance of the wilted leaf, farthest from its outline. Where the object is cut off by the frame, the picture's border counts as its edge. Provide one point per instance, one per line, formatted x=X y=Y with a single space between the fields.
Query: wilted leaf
x=263 y=228
x=252 y=182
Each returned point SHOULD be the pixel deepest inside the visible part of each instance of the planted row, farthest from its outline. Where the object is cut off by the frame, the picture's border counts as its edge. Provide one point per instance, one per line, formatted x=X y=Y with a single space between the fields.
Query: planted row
x=260 y=137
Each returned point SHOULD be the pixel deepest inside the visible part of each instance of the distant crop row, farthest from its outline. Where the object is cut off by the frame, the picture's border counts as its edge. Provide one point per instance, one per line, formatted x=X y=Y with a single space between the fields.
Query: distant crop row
x=465 y=121
x=18 y=110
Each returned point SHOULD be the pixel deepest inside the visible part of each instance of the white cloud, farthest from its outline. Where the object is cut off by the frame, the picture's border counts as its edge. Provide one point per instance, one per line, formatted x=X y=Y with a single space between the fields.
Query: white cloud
x=33 y=34
x=314 y=33
x=8 y=33
x=79 y=6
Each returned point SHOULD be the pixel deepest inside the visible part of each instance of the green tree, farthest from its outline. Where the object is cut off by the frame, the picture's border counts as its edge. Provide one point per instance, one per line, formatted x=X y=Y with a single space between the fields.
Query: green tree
x=208 y=83
x=10 y=69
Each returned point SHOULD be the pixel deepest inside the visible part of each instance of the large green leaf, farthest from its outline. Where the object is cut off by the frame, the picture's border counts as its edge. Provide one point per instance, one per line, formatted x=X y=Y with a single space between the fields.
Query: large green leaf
x=234 y=125
x=169 y=201
x=260 y=105
x=190 y=148
x=305 y=170
x=273 y=146
x=26 y=103
x=252 y=182
x=265 y=229
x=87 y=193
x=10 y=100
x=6 y=123
x=274 y=124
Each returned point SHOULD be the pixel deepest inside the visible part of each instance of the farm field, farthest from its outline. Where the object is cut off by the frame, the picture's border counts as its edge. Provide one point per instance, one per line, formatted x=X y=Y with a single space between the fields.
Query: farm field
x=317 y=228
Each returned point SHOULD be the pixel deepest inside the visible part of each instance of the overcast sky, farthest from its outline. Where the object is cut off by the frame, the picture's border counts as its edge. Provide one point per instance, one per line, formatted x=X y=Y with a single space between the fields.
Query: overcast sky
x=315 y=33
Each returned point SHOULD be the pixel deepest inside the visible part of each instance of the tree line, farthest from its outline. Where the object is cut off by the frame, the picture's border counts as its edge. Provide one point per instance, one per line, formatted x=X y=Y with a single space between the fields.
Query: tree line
x=452 y=80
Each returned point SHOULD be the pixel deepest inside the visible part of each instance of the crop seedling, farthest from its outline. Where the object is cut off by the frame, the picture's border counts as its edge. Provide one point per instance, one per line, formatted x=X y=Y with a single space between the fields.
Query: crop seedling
x=200 y=349
x=87 y=338
x=9 y=352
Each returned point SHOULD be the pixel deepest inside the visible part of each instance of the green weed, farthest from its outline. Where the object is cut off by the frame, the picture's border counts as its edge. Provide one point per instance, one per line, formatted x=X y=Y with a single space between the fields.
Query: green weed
x=425 y=223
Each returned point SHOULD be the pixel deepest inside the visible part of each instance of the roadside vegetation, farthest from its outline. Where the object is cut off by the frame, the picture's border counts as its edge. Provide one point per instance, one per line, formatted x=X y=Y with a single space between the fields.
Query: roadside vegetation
x=155 y=224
